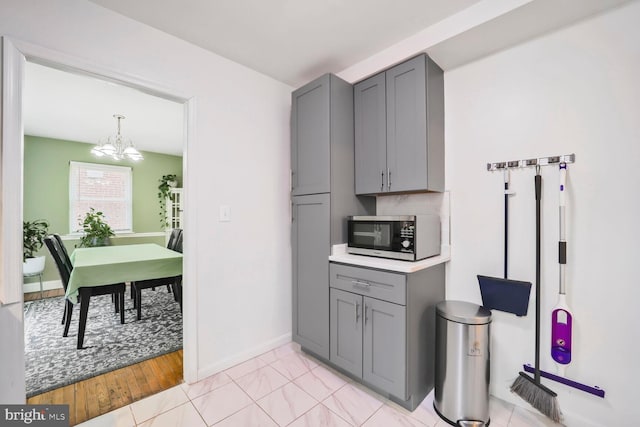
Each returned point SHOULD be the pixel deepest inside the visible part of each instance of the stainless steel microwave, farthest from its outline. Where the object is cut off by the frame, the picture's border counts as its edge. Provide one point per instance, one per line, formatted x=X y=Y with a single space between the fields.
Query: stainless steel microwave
x=404 y=237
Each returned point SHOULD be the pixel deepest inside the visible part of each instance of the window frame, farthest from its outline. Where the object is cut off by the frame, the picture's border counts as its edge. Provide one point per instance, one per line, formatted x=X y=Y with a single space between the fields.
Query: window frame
x=73 y=193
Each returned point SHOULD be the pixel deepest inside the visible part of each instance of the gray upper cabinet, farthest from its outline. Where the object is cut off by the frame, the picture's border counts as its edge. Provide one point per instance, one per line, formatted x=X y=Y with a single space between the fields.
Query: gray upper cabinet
x=370 y=135
x=402 y=149
x=310 y=153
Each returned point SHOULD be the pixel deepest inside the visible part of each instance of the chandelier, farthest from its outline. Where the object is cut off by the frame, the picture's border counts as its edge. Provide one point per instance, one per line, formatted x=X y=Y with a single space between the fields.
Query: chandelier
x=116 y=147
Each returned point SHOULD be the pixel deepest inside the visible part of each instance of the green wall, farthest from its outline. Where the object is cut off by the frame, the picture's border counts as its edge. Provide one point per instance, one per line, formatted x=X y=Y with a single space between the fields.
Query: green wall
x=46 y=188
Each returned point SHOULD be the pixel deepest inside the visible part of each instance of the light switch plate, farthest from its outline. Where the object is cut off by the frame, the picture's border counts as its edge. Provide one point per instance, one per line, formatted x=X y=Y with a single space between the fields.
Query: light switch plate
x=225 y=213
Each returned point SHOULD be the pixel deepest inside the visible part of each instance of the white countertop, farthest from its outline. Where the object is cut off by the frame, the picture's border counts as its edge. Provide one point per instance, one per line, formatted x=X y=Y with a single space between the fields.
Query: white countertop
x=339 y=254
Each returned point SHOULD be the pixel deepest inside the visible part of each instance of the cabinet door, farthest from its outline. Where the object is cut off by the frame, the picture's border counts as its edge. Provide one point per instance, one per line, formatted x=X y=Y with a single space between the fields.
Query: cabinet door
x=370 y=135
x=310 y=248
x=310 y=133
x=384 y=362
x=407 y=126
x=346 y=331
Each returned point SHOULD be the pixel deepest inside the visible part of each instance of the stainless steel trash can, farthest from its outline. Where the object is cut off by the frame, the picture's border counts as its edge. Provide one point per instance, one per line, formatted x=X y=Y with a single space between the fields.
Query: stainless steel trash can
x=461 y=395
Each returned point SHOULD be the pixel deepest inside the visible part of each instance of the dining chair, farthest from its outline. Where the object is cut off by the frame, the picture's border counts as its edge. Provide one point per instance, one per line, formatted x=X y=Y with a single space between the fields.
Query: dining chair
x=177 y=285
x=65 y=268
x=170 y=282
x=175 y=233
x=64 y=249
x=173 y=239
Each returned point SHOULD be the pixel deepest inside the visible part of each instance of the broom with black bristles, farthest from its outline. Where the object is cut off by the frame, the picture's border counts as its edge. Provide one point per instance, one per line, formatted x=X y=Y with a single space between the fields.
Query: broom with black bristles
x=530 y=389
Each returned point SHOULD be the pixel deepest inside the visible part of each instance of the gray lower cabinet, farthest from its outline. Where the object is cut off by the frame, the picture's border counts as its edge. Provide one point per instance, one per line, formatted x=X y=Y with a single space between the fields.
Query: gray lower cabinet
x=384 y=355
x=346 y=330
x=399 y=129
x=310 y=238
x=382 y=328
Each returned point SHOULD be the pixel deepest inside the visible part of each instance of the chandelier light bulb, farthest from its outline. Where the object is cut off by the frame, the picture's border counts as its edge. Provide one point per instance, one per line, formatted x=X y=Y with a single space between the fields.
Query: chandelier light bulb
x=118 y=149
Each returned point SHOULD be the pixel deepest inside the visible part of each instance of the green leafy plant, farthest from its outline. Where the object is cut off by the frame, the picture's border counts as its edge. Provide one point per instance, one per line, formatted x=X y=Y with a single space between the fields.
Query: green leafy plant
x=96 y=230
x=33 y=234
x=167 y=182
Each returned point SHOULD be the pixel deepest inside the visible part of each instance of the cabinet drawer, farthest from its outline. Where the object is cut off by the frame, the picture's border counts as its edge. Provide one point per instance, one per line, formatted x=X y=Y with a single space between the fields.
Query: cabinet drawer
x=378 y=284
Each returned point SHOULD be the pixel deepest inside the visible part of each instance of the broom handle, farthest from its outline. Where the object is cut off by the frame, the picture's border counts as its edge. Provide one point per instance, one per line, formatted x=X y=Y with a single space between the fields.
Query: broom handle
x=538 y=184
x=506 y=220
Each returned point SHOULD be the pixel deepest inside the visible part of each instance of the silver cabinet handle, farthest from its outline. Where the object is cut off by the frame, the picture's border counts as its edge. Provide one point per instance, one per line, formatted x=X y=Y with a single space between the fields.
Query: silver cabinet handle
x=382 y=180
x=357 y=306
x=388 y=179
x=366 y=316
x=361 y=284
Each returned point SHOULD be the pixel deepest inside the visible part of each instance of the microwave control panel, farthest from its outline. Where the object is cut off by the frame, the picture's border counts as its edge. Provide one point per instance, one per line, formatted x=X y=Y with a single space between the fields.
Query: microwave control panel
x=407 y=236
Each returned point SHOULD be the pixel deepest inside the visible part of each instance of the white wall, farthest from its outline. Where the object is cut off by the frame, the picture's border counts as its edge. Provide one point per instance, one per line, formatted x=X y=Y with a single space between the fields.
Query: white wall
x=240 y=158
x=574 y=91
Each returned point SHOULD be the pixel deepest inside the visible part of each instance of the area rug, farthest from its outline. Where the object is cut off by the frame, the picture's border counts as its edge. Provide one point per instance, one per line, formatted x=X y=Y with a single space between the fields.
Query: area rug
x=52 y=361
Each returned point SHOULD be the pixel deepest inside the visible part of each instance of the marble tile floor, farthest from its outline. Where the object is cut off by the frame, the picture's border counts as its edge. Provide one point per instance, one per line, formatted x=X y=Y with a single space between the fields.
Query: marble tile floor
x=285 y=387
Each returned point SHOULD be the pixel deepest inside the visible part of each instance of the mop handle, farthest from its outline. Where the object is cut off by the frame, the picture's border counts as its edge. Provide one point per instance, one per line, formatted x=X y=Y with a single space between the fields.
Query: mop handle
x=538 y=184
x=562 y=244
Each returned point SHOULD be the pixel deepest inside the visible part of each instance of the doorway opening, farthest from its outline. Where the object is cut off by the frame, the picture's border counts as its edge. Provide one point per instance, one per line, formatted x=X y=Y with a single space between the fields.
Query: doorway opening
x=14 y=214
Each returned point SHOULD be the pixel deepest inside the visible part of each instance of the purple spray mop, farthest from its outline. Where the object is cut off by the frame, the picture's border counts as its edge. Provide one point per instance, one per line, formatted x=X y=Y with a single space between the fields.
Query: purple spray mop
x=561 y=319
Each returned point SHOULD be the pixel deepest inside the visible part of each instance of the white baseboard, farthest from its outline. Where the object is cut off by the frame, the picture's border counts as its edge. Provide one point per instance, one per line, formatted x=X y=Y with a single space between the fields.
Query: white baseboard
x=207 y=371
x=46 y=286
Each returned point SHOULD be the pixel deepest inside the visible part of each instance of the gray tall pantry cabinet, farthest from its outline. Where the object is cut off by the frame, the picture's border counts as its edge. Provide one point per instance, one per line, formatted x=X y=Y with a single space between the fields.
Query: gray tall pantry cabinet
x=399 y=129
x=322 y=179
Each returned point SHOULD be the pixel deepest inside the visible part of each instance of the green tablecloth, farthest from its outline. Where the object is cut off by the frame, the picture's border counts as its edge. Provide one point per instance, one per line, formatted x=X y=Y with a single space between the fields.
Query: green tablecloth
x=106 y=265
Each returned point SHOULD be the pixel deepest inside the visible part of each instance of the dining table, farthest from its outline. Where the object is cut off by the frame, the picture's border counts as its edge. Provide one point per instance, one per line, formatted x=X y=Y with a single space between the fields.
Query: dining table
x=106 y=265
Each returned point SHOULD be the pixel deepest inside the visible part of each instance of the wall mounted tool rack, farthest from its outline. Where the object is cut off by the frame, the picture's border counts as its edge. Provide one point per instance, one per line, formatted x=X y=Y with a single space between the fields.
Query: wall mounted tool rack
x=546 y=161
x=526 y=163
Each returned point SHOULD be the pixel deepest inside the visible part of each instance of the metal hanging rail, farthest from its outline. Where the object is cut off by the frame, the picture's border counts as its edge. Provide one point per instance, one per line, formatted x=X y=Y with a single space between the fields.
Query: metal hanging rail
x=541 y=161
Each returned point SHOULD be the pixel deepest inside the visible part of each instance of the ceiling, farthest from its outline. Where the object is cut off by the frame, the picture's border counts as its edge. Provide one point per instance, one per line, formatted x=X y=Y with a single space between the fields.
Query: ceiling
x=75 y=107
x=293 y=41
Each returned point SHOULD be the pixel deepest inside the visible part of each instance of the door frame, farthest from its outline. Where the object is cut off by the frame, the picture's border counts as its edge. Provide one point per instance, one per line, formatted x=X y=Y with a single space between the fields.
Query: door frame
x=15 y=53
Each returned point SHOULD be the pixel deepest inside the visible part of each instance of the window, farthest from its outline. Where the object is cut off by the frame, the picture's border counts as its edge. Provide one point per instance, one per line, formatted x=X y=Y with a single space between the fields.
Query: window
x=105 y=188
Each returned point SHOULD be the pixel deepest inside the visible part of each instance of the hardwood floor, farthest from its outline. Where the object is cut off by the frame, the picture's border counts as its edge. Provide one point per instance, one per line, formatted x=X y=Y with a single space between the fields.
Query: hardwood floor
x=98 y=395
x=31 y=296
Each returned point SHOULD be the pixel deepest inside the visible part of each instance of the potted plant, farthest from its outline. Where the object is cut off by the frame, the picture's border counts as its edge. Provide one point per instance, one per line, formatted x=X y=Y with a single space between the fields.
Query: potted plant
x=33 y=234
x=167 y=182
x=96 y=230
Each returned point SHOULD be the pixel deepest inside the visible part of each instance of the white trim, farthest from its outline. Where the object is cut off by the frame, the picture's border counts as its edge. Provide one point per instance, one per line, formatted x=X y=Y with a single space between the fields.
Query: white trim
x=244 y=356
x=11 y=152
x=12 y=132
x=46 y=286
x=190 y=228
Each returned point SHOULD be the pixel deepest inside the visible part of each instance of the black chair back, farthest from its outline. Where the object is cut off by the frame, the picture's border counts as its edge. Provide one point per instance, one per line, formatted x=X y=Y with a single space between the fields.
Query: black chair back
x=178 y=245
x=173 y=238
x=64 y=267
x=64 y=249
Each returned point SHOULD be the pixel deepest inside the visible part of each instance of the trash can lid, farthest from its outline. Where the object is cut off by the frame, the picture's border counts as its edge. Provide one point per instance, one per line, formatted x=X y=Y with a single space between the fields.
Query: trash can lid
x=463 y=312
